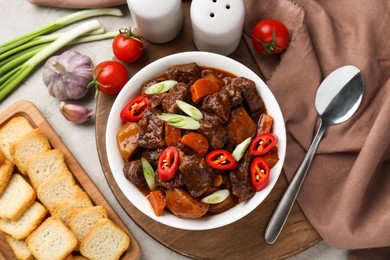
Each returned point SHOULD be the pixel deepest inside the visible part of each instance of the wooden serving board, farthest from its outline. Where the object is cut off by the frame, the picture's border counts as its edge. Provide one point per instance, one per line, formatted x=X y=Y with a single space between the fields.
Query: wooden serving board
x=31 y=112
x=240 y=240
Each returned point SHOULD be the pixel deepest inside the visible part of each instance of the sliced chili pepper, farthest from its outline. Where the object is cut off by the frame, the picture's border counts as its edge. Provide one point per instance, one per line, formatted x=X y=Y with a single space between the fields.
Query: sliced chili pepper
x=168 y=163
x=135 y=109
x=262 y=144
x=259 y=173
x=221 y=160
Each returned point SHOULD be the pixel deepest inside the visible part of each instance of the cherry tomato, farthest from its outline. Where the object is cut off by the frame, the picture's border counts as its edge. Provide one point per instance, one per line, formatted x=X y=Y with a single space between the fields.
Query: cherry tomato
x=168 y=163
x=262 y=144
x=127 y=46
x=221 y=160
x=110 y=77
x=135 y=109
x=270 y=36
x=259 y=173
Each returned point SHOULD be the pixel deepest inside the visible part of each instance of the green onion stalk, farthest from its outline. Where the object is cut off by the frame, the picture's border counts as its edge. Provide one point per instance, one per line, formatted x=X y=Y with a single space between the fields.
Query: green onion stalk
x=21 y=55
x=16 y=59
x=41 y=40
x=10 y=80
x=58 y=24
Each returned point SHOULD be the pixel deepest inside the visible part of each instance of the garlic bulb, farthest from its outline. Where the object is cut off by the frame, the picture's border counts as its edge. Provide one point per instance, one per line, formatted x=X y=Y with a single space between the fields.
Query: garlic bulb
x=67 y=76
x=75 y=113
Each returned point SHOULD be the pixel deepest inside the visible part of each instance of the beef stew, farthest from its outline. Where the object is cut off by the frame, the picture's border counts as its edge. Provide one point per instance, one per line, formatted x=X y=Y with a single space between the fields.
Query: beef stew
x=230 y=115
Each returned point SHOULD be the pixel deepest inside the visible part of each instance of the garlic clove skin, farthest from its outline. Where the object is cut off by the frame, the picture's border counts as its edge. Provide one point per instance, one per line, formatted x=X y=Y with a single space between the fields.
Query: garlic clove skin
x=75 y=113
x=67 y=76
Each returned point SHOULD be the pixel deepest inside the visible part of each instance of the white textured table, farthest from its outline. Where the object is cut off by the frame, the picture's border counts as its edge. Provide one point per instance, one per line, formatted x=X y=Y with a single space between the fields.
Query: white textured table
x=19 y=17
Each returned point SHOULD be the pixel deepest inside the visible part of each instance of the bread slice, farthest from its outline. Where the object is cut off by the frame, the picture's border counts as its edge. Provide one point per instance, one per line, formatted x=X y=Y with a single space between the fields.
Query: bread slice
x=44 y=166
x=19 y=247
x=81 y=200
x=104 y=241
x=33 y=143
x=6 y=170
x=57 y=191
x=2 y=157
x=16 y=198
x=13 y=130
x=82 y=220
x=51 y=240
x=76 y=257
x=29 y=221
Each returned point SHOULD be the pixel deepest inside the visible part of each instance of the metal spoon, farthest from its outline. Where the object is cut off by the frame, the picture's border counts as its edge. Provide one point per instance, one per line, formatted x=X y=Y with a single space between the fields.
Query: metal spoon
x=338 y=97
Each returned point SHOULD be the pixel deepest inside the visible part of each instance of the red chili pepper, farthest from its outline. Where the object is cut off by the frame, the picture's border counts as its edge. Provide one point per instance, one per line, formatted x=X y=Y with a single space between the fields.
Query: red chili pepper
x=262 y=144
x=259 y=173
x=135 y=109
x=168 y=162
x=221 y=160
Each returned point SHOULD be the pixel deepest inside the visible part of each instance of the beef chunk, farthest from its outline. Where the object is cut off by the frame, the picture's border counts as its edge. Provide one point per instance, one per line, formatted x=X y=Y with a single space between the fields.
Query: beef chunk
x=186 y=73
x=175 y=182
x=152 y=155
x=240 y=126
x=218 y=103
x=179 y=91
x=240 y=180
x=196 y=174
x=151 y=130
x=252 y=99
x=156 y=99
x=211 y=127
x=228 y=80
x=235 y=95
x=134 y=173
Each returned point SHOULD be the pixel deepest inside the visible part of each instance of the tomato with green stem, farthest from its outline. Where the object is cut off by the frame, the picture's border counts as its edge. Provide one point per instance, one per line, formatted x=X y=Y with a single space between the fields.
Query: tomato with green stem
x=127 y=46
x=270 y=36
x=110 y=77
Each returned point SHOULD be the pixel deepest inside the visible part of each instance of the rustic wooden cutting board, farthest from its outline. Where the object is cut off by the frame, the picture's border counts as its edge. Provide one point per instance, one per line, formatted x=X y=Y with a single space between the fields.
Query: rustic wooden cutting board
x=31 y=112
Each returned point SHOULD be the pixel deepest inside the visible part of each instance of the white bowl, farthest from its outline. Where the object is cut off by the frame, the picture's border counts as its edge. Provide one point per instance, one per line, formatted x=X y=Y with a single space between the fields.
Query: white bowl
x=132 y=89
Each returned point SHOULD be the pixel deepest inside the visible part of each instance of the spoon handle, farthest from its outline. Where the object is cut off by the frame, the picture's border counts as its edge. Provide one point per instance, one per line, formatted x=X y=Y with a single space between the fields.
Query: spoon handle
x=285 y=205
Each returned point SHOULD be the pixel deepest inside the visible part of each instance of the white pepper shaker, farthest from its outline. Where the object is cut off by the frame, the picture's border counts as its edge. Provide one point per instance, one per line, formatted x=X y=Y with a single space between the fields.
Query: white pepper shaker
x=158 y=21
x=217 y=24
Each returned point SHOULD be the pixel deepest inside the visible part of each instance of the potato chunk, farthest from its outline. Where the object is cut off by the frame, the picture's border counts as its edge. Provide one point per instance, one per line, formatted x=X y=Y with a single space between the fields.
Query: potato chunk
x=183 y=205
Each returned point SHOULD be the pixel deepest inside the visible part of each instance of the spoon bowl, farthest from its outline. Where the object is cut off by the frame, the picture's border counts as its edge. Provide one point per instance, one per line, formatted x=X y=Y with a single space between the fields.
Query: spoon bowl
x=337 y=99
x=339 y=103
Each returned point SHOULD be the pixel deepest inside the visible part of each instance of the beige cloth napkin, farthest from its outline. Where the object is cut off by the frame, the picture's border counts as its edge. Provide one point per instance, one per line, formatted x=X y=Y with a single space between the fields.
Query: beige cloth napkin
x=346 y=195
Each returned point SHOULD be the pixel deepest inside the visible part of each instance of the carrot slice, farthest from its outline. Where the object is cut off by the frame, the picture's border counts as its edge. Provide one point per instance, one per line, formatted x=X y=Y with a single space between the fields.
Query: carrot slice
x=214 y=78
x=264 y=125
x=201 y=88
x=196 y=142
x=172 y=135
x=158 y=202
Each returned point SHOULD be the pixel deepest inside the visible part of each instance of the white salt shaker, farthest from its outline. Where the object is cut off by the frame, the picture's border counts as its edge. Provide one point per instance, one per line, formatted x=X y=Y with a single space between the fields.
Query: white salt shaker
x=217 y=24
x=158 y=21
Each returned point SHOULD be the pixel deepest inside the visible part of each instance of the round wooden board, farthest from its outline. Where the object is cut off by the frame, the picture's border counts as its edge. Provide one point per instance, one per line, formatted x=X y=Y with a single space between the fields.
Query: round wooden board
x=240 y=240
